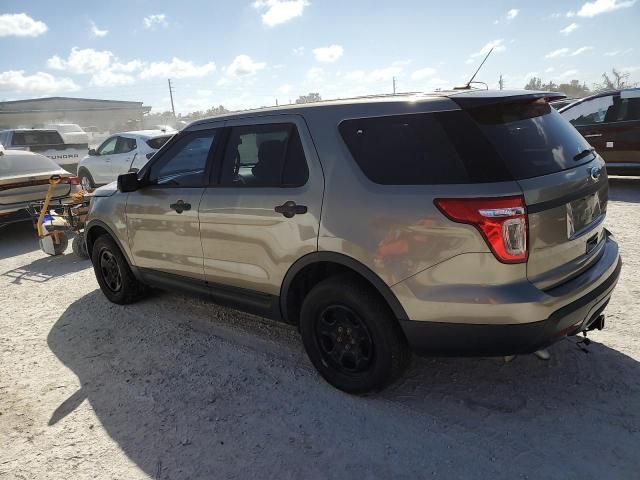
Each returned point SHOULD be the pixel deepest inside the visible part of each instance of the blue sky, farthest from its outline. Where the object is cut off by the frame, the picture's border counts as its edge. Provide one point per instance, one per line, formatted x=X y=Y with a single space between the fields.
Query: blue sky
x=248 y=53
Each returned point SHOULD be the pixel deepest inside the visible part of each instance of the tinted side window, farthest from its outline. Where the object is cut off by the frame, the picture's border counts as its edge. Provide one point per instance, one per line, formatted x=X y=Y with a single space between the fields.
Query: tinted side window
x=108 y=146
x=596 y=110
x=422 y=149
x=125 y=145
x=268 y=155
x=185 y=162
x=630 y=109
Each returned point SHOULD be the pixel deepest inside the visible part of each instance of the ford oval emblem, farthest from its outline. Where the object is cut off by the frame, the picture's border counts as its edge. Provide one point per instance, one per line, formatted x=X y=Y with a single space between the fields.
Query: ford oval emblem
x=595 y=172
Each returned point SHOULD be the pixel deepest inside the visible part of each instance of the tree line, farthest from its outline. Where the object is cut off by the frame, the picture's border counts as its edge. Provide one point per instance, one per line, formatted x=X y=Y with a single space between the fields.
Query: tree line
x=610 y=81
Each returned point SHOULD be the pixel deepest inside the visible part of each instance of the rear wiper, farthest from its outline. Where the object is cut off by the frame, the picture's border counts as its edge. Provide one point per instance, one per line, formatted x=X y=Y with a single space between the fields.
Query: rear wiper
x=584 y=153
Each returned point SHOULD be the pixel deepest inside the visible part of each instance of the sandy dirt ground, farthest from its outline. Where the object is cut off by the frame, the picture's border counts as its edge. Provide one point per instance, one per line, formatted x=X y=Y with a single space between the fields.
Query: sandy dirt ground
x=174 y=387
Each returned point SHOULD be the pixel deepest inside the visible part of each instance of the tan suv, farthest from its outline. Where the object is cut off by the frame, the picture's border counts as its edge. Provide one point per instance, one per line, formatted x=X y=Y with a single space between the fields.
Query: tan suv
x=460 y=223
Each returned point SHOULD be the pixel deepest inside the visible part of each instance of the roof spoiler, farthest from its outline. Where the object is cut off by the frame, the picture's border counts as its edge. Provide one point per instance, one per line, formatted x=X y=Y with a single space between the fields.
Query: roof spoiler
x=470 y=101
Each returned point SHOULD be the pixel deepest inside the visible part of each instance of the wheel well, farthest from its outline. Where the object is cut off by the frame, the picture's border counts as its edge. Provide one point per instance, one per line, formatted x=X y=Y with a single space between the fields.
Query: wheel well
x=310 y=275
x=92 y=235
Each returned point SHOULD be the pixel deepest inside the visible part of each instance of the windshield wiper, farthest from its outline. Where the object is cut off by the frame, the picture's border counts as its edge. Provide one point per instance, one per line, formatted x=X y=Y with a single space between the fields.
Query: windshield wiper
x=584 y=153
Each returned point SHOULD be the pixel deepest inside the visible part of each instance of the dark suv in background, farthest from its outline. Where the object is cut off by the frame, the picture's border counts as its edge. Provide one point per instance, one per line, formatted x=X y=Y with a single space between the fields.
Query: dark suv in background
x=610 y=121
x=457 y=223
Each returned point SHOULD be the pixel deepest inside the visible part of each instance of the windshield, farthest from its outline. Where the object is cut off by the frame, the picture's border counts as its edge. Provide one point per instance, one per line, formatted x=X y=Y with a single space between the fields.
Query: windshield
x=533 y=139
x=23 y=164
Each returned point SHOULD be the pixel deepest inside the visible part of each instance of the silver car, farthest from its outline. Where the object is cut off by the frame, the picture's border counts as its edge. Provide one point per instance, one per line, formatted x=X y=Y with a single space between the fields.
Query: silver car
x=24 y=178
x=456 y=223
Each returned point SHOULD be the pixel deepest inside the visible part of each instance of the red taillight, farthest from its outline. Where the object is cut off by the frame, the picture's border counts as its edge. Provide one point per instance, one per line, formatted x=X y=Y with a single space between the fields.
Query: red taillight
x=502 y=221
x=71 y=180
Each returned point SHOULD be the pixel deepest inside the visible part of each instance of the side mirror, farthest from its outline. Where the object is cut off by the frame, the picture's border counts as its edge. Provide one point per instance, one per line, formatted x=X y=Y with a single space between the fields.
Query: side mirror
x=128 y=182
x=93 y=152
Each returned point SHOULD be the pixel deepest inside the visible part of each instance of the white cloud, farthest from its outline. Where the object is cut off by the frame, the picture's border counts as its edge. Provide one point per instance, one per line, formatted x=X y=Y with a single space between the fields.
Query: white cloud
x=568 y=73
x=423 y=73
x=109 y=78
x=555 y=15
x=591 y=9
x=204 y=93
x=560 y=52
x=128 y=67
x=614 y=53
x=298 y=51
x=315 y=73
x=581 y=50
x=155 y=20
x=276 y=12
x=82 y=61
x=38 y=83
x=286 y=88
x=244 y=65
x=497 y=45
x=571 y=14
x=630 y=69
x=549 y=70
x=328 y=54
x=176 y=68
x=20 y=25
x=376 y=75
x=513 y=13
x=572 y=27
x=96 y=32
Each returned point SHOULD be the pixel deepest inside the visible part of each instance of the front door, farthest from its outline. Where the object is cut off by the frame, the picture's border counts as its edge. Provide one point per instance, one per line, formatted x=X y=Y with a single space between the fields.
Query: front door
x=100 y=165
x=162 y=217
x=123 y=157
x=265 y=212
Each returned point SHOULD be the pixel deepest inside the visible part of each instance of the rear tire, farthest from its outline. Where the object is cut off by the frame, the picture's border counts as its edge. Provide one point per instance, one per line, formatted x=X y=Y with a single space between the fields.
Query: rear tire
x=113 y=273
x=351 y=336
x=79 y=246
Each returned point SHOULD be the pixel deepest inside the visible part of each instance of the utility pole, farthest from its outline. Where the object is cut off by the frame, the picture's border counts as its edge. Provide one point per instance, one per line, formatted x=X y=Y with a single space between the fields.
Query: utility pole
x=501 y=82
x=173 y=108
x=394 y=85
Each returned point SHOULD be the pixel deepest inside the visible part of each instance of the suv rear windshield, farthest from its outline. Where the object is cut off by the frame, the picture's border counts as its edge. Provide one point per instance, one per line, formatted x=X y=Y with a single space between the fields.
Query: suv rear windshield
x=158 y=142
x=532 y=138
x=27 y=139
x=422 y=149
x=492 y=143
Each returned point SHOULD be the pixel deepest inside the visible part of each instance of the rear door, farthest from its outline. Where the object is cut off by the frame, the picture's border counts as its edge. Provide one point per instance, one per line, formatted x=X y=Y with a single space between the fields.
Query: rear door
x=564 y=184
x=265 y=212
x=162 y=217
x=626 y=151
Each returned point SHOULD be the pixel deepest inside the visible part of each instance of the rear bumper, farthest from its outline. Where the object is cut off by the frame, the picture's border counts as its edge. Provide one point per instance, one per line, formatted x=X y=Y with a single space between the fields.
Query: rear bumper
x=467 y=339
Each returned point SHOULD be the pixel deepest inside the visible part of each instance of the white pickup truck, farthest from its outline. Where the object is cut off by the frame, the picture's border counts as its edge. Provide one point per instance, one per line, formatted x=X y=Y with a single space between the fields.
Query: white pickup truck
x=47 y=142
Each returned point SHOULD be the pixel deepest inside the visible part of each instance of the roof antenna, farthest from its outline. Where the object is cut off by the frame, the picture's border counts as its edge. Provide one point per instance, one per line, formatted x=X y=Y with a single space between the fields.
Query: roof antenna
x=468 y=84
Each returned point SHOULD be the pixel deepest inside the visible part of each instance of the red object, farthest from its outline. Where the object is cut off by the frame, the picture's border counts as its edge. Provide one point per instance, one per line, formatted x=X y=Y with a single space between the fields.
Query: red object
x=502 y=221
x=71 y=180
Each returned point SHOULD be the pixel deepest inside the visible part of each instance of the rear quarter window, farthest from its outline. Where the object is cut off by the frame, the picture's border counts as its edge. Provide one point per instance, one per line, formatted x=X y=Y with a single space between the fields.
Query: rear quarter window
x=422 y=149
x=158 y=142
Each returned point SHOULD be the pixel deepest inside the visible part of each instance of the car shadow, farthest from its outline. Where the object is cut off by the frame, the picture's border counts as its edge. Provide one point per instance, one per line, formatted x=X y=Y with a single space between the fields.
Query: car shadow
x=186 y=391
x=624 y=189
x=18 y=239
x=46 y=268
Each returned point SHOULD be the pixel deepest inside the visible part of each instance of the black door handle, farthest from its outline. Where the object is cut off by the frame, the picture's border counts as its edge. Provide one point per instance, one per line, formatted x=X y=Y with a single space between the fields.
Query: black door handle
x=290 y=209
x=180 y=206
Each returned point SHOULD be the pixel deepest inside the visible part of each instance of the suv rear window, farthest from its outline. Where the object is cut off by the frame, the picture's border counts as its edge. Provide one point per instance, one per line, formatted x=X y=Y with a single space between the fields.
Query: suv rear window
x=158 y=142
x=532 y=138
x=422 y=149
x=27 y=139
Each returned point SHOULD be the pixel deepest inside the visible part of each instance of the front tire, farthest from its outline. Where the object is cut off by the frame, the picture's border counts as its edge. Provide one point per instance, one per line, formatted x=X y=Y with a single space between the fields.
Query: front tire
x=351 y=336
x=113 y=273
x=86 y=180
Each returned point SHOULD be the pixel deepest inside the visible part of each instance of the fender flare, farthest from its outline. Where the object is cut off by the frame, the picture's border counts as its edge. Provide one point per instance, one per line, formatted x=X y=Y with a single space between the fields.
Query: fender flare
x=346 y=261
x=101 y=224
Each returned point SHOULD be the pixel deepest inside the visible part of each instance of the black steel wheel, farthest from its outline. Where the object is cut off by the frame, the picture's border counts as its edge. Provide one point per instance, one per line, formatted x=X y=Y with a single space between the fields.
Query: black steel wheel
x=113 y=273
x=351 y=335
x=344 y=339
